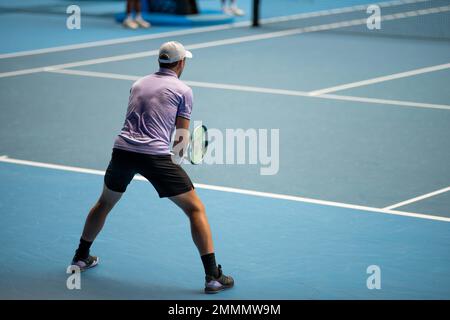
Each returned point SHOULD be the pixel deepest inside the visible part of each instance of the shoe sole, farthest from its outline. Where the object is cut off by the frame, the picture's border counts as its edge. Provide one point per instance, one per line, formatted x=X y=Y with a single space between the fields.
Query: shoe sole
x=218 y=290
x=145 y=27
x=130 y=27
x=90 y=267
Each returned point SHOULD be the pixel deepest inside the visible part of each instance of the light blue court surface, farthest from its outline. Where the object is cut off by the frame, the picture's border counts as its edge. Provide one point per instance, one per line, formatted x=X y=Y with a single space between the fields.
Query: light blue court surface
x=363 y=175
x=276 y=249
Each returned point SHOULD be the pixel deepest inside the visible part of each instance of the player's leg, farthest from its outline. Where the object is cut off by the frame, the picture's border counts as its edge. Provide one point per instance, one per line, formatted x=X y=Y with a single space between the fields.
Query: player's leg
x=93 y=225
x=129 y=21
x=118 y=175
x=235 y=10
x=193 y=207
x=139 y=19
x=171 y=181
x=225 y=8
x=98 y=213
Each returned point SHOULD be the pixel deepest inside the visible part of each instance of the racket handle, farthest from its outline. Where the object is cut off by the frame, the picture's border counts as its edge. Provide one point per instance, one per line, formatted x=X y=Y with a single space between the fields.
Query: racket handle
x=176 y=158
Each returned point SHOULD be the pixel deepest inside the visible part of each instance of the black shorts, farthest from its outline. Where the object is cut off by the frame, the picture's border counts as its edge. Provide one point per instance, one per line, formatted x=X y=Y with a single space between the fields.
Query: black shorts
x=168 y=178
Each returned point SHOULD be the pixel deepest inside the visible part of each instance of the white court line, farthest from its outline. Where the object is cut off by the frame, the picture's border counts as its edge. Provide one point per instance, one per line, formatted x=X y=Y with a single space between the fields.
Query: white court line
x=380 y=79
x=258 y=90
x=425 y=196
x=264 y=36
x=95 y=74
x=386 y=101
x=208 y=44
x=122 y=40
x=236 y=190
x=204 y=29
x=337 y=11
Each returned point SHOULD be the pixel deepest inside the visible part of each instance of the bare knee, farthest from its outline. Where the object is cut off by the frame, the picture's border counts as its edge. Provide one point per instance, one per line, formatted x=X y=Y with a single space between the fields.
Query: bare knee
x=105 y=203
x=190 y=203
x=195 y=209
x=108 y=199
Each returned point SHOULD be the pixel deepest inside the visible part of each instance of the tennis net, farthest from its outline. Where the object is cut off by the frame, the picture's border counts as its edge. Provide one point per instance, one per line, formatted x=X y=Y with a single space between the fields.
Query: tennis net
x=429 y=19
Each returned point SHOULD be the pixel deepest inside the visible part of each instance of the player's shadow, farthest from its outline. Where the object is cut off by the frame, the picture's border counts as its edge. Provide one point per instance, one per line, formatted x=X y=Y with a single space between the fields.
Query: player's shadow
x=45 y=285
x=96 y=286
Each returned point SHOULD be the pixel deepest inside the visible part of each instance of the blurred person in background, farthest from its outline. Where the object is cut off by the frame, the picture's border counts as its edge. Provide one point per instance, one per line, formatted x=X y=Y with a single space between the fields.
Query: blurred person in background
x=138 y=21
x=232 y=9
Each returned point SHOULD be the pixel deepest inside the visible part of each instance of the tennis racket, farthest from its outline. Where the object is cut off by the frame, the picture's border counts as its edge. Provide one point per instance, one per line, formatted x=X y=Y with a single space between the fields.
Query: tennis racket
x=198 y=144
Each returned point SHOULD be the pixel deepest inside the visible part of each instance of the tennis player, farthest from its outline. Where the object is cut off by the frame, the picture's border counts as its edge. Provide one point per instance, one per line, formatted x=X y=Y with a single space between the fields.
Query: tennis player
x=159 y=105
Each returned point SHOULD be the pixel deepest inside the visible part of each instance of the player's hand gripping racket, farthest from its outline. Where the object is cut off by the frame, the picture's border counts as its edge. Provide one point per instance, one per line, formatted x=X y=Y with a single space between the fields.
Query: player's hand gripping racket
x=198 y=144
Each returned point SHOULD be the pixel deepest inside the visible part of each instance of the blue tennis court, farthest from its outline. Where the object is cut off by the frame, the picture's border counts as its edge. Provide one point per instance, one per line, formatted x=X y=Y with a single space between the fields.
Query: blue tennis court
x=363 y=177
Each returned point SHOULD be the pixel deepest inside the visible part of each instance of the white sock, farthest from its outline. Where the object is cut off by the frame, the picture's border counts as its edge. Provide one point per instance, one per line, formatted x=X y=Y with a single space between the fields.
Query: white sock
x=138 y=16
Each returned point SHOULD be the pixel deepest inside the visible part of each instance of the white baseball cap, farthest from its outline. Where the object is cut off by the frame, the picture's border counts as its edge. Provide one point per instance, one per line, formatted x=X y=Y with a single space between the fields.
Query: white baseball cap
x=173 y=51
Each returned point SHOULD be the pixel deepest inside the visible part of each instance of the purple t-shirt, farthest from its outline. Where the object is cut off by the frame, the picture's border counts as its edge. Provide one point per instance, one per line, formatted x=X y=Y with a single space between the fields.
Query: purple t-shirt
x=155 y=102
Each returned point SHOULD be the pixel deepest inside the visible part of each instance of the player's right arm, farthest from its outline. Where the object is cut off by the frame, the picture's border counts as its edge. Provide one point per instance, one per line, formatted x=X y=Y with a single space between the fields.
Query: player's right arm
x=182 y=135
x=181 y=141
